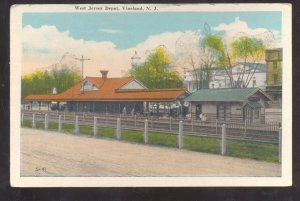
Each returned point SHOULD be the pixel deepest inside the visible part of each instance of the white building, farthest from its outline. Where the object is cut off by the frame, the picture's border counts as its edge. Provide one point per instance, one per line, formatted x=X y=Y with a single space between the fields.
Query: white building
x=220 y=79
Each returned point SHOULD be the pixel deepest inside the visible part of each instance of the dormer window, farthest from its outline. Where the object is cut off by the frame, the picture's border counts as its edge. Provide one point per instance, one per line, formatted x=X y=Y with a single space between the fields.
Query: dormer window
x=88 y=86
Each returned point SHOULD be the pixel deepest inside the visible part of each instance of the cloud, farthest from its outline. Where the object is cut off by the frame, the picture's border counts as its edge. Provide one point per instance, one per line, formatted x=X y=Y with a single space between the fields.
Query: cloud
x=240 y=28
x=44 y=46
x=111 y=31
x=103 y=55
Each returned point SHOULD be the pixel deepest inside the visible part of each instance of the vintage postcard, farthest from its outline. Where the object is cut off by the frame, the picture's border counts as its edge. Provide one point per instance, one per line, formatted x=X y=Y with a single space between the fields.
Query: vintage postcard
x=151 y=95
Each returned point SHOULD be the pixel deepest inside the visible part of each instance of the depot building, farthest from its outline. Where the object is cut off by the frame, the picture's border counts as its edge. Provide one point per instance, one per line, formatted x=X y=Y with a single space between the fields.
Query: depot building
x=113 y=95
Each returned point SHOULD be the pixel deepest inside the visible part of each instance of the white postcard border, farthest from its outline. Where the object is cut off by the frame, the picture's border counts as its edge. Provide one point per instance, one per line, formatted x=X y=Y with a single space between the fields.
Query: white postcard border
x=15 y=97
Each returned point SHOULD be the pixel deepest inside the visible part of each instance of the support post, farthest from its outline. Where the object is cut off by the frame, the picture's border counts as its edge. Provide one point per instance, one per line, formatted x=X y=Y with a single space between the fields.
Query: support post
x=223 y=141
x=33 y=120
x=279 y=145
x=180 y=137
x=95 y=126
x=118 y=130
x=76 y=131
x=59 y=123
x=46 y=121
x=146 y=132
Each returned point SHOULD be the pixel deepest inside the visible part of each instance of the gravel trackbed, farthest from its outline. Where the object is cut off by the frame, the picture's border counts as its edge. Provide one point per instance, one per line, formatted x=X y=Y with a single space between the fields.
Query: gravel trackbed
x=47 y=153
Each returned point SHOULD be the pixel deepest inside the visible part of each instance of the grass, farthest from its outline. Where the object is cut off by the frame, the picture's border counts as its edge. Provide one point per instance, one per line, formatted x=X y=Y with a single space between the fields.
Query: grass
x=241 y=149
x=106 y=132
x=53 y=126
x=164 y=139
x=266 y=152
x=27 y=123
x=69 y=128
x=202 y=144
x=83 y=129
x=132 y=136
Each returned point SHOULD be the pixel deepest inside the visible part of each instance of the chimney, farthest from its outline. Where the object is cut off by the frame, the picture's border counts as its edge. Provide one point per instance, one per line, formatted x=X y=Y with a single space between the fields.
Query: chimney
x=104 y=73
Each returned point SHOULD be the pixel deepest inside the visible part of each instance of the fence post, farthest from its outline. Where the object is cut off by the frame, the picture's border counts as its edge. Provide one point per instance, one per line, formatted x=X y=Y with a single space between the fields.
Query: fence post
x=279 y=144
x=76 y=125
x=95 y=126
x=46 y=121
x=170 y=123
x=64 y=115
x=33 y=120
x=152 y=122
x=135 y=120
x=59 y=123
x=146 y=132
x=223 y=142
x=180 y=137
x=118 y=130
x=216 y=126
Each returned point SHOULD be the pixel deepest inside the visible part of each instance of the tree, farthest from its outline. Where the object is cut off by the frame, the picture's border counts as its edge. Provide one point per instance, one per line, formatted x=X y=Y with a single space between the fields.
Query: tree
x=42 y=82
x=212 y=49
x=245 y=51
x=155 y=72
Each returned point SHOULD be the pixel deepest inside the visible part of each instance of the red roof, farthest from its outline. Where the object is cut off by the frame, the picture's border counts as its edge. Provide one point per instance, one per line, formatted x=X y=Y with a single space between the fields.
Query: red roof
x=109 y=90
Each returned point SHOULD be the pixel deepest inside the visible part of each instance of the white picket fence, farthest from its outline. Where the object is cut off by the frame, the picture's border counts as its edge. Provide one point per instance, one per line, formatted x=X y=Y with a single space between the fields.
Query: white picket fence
x=180 y=128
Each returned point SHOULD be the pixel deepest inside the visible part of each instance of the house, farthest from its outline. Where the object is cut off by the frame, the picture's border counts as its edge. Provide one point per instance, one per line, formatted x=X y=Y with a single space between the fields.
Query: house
x=230 y=104
x=113 y=95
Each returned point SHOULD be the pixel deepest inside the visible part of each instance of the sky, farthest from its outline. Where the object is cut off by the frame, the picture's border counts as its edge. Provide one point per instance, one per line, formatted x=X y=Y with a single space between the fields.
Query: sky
x=110 y=39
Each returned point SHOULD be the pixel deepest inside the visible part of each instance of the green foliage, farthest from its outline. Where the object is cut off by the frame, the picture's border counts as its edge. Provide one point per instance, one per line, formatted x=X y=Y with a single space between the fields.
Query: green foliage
x=155 y=73
x=42 y=82
x=245 y=47
x=213 y=42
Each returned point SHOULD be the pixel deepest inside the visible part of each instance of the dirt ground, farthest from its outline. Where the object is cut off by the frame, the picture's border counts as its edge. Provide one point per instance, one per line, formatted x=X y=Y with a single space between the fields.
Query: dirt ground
x=45 y=153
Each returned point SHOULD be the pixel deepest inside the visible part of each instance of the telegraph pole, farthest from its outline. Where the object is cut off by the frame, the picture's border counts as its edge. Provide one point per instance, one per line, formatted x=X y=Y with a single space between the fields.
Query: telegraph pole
x=82 y=60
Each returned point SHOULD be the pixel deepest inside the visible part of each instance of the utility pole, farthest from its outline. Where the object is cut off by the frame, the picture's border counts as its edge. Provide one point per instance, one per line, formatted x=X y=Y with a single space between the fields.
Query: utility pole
x=82 y=60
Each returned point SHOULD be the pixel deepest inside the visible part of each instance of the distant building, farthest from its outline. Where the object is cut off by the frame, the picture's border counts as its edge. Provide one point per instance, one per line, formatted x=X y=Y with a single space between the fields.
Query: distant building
x=220 y=79
x=274 y=73
x=135 y=60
